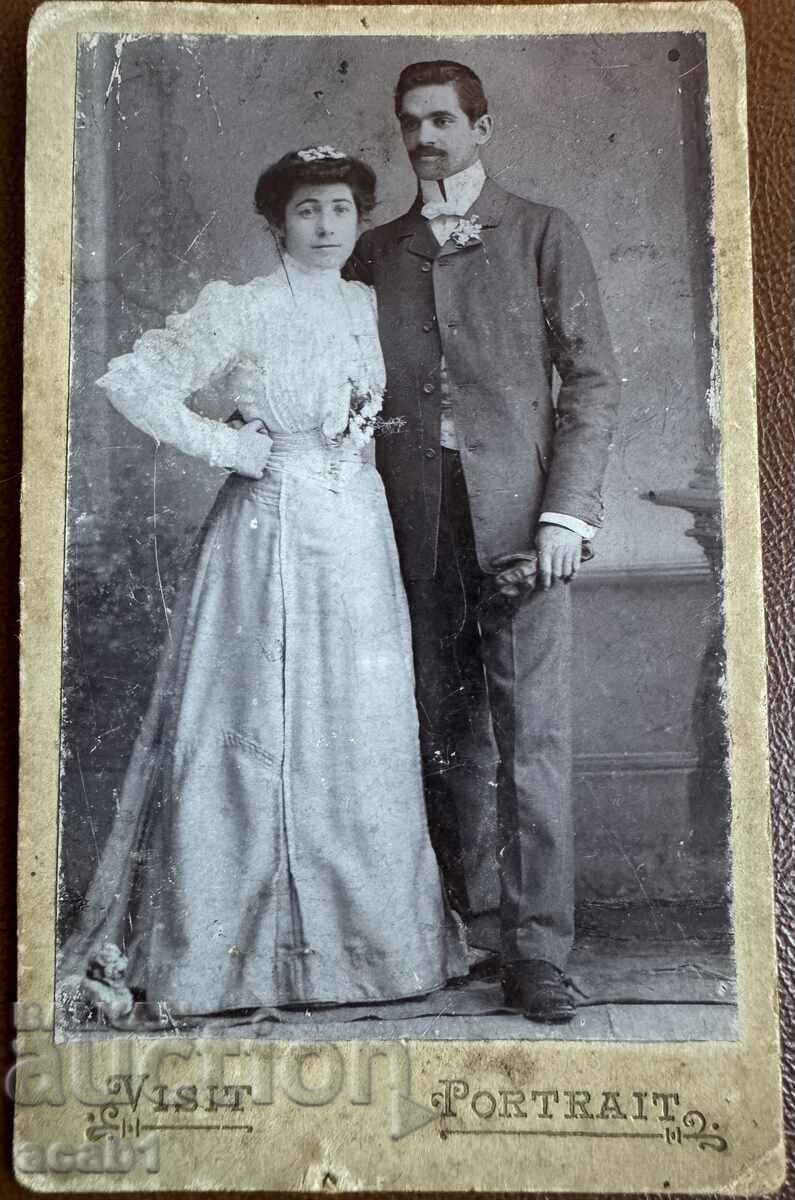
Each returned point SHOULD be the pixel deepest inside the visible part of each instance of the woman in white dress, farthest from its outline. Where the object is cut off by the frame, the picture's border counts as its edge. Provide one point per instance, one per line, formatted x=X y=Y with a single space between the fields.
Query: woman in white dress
x=271 y=846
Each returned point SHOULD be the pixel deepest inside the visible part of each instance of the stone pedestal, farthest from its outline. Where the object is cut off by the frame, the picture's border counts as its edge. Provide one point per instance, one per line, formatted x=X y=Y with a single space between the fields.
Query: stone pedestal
x=709 y=783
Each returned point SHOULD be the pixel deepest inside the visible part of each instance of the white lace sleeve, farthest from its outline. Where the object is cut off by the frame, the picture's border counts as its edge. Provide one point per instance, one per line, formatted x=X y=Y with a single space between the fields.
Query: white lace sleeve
x=150 y=386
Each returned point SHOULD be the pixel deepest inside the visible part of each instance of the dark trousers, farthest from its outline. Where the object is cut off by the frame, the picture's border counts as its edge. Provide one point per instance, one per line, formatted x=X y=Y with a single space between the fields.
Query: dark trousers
x=461 y=629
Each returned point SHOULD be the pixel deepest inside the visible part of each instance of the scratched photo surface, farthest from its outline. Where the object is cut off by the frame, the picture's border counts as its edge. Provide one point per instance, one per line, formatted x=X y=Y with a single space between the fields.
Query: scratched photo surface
x=172 y=134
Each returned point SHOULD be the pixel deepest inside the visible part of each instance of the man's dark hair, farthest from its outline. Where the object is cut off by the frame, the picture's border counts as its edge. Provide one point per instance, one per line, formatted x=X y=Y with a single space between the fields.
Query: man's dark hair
x=440 y=71
x=282 y=179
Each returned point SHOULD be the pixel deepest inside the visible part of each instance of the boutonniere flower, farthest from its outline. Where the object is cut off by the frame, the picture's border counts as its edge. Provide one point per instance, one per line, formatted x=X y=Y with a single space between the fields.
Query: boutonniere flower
x=467 y=231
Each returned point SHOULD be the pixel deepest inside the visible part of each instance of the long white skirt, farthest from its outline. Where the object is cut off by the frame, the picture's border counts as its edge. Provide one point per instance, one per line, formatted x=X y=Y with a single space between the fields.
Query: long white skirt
x=271 y=845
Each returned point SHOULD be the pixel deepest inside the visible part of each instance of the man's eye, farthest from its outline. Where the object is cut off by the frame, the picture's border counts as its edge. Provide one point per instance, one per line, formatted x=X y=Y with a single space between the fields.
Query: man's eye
x=441 y=122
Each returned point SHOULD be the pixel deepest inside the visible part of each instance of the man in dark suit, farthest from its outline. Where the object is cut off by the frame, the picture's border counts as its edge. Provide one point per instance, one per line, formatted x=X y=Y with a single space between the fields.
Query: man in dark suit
x=495 y=492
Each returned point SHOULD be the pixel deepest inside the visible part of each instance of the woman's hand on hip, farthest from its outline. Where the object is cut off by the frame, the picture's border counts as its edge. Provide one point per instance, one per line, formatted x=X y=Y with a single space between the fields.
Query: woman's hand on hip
x=253 y=449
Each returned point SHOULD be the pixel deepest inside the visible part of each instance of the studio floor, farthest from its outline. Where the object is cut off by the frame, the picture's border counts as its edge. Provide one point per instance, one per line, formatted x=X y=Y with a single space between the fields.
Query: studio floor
x=661 y=972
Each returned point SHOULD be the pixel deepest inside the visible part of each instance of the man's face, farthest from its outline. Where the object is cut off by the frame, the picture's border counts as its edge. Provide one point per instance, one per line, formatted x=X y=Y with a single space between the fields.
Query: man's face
x=437 y=133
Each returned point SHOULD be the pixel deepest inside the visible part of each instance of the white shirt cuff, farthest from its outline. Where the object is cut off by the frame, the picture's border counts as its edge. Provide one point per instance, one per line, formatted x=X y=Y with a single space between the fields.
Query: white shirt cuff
x=573 y=523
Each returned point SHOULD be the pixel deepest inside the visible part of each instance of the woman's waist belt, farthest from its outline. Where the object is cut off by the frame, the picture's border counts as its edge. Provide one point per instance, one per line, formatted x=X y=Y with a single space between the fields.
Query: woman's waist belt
x=312 y=443
x=308 y=455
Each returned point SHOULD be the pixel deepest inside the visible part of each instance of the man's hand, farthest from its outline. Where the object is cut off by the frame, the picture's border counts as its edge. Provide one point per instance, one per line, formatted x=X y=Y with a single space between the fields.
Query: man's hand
x=559 y=554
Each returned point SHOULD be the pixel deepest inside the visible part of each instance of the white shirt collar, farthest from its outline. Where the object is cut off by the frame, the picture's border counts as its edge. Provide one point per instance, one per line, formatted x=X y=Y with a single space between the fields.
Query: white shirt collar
x=462 y=189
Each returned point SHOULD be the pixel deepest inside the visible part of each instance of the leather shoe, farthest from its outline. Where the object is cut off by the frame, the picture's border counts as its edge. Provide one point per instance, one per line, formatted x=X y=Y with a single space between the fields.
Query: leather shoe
x=541 y=990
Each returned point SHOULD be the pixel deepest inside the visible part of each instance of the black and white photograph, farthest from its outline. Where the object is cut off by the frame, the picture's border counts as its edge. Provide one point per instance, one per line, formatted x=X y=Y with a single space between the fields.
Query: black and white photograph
x=393 y=680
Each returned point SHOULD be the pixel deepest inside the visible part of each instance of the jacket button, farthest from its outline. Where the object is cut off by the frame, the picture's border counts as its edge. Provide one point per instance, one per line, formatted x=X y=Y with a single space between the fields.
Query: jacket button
x=426 y=266
x=430 y=453
x=427 y=388
x=427 y=327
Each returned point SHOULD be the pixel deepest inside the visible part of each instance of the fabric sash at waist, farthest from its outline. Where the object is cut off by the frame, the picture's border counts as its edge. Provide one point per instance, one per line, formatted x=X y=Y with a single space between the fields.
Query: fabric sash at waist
x=312 y=442
x=309 y=454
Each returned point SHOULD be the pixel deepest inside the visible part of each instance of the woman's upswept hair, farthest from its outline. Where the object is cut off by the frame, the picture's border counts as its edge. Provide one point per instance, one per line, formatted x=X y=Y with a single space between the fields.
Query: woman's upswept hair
x=440 y=71
x=281 y=180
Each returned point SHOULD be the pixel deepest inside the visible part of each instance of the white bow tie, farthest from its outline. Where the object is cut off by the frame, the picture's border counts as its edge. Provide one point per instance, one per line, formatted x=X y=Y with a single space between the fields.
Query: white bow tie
x=441 y=208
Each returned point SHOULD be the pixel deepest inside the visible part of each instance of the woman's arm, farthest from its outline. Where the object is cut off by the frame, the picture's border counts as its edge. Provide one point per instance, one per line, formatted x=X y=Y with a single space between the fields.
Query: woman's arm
x=150 y=386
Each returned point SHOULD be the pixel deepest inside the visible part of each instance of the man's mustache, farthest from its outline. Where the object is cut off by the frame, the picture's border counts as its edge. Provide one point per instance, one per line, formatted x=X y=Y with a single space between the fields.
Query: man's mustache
x=427 y=152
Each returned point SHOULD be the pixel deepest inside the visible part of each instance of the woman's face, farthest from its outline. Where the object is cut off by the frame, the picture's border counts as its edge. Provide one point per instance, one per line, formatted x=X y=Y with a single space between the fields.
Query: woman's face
x=320 y=224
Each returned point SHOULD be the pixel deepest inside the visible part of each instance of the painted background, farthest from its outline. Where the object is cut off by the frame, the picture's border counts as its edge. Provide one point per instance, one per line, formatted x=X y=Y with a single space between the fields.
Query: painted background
x=171 y=136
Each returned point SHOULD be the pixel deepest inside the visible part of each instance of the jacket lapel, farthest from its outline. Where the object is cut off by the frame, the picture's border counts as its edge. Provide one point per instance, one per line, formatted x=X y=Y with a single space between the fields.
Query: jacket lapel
x=415 y=234
x=490 y=205
x=488 y=208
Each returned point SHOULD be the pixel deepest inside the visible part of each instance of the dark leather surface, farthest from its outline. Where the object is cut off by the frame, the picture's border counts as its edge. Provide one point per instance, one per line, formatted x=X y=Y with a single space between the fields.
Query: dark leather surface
x=770 y=26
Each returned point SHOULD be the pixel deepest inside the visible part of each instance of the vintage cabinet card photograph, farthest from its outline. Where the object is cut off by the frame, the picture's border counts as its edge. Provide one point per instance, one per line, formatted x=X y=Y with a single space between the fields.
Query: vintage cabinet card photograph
x=394 y=807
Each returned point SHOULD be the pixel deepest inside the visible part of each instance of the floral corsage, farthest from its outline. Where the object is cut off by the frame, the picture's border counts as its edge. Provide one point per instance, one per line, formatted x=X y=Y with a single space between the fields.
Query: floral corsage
x=365 y=405
x=364 y=418
x=467 y=231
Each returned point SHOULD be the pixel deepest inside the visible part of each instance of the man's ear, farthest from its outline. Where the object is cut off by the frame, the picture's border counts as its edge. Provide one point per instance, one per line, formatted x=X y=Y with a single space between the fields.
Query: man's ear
x=484 y=127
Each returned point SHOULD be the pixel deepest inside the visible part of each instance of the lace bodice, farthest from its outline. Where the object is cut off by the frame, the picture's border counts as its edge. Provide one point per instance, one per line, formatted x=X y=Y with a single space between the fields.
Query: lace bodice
x=288 y=347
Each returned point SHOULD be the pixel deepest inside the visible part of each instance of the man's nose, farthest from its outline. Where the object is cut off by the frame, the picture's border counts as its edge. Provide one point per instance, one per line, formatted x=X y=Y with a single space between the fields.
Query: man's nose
x=428 y=134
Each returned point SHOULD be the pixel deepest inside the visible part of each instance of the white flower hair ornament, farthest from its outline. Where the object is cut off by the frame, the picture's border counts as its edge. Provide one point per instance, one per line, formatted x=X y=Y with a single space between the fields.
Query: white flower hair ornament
x=315 y=153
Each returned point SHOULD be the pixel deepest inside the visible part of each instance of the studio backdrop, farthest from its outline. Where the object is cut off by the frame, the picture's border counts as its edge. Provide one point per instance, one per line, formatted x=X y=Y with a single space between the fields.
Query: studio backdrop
x=172 y=133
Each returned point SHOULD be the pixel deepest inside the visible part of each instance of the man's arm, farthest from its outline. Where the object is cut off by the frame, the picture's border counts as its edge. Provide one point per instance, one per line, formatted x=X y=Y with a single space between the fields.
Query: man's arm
x=581 y=350
x=583 y=356
x=359 y=266
x=580 y=347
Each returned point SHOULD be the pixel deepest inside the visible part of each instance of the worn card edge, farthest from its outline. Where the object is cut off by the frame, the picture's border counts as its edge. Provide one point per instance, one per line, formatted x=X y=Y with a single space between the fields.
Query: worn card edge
x=47 y=308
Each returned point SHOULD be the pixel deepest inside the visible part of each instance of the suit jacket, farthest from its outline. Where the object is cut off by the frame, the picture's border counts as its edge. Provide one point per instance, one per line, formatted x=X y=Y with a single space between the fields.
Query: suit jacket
x=503 y=310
